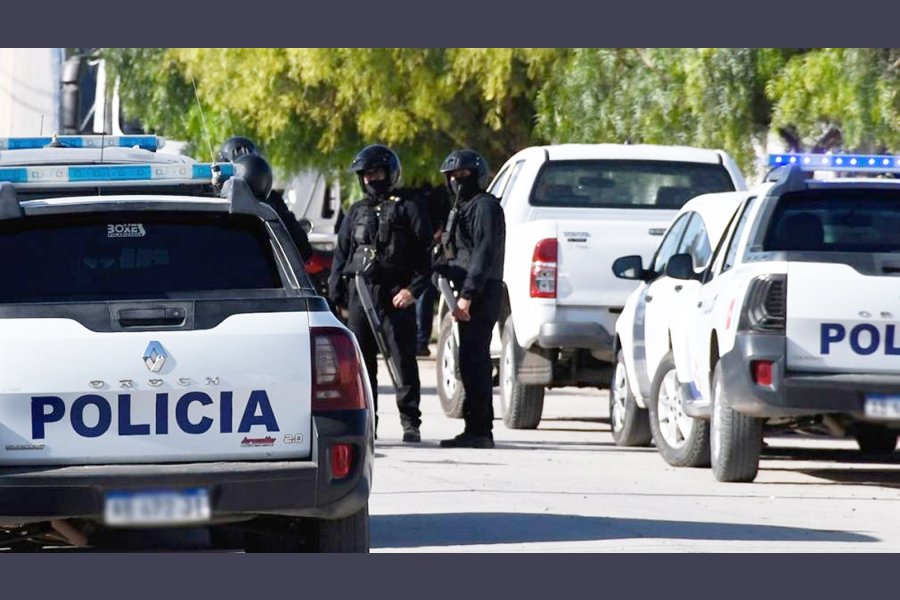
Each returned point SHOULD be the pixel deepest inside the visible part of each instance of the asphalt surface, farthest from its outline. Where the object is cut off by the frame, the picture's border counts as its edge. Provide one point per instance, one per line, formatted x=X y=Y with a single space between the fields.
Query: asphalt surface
x=566 y=487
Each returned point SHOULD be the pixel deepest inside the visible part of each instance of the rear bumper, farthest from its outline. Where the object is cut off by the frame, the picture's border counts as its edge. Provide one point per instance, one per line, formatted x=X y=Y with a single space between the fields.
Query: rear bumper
x=794 y=394
x=302 y=488
x=588 y=336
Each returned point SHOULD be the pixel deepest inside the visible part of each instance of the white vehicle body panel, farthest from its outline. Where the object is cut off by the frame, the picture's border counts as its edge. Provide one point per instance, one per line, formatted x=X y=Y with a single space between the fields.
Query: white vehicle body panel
x=266 y=355
x=856 y=331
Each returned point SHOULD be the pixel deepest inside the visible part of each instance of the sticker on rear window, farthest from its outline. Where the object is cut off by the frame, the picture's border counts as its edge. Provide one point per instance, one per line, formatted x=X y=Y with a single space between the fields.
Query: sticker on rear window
x=125 y=230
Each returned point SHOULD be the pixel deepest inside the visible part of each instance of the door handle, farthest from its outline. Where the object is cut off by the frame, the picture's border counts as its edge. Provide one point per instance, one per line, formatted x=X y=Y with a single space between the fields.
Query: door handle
x=678 y=287
x=649 y=298
x=150 y=317
x=700 y=304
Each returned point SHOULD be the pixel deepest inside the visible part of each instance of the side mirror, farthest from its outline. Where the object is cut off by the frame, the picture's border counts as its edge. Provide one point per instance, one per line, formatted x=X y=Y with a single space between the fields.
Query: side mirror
x=681 y=266
x=629 y=267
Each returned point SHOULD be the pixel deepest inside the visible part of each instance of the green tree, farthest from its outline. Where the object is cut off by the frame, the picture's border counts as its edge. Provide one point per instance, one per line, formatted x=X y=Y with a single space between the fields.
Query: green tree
x=712 y=97
x=854 y=90
x=316 y=107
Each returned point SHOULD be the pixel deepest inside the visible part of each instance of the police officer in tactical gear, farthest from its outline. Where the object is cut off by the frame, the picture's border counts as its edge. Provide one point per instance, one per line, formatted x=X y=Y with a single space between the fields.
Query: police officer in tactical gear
x=241 y=150
x=473 y=246
x=386 y=239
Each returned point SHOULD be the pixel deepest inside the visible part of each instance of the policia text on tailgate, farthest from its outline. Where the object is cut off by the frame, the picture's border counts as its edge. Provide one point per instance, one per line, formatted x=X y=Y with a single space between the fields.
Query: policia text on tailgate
x=165 y=361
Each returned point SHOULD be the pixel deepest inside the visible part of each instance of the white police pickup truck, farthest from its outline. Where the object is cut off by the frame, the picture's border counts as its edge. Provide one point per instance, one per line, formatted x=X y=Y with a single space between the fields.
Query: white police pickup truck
x=797 y=318
x=571 y=210
x=164 y=361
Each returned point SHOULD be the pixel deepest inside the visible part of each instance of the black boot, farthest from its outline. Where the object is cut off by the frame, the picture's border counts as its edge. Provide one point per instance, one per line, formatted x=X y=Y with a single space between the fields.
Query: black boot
x=469 y=440
x=411 y=434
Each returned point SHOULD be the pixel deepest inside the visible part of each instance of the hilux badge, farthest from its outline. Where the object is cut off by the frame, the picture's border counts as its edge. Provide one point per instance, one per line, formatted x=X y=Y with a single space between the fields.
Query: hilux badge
x=155 y=356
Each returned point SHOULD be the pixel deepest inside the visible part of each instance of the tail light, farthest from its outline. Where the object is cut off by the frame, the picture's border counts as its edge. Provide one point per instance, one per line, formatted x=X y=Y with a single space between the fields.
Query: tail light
x=765 y=306
x=341 y=460
x=337 y=376
x=318 y=262
x=762 y=372
x=544 y=269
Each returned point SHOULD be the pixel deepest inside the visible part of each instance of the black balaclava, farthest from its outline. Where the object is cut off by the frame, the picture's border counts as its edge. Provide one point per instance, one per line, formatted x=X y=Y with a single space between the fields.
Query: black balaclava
x=464 y=187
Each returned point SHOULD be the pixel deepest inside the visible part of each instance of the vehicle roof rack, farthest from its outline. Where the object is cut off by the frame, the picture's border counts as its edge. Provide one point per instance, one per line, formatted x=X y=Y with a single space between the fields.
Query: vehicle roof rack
x=788 y=178
x=9 y=204
x=241 y=197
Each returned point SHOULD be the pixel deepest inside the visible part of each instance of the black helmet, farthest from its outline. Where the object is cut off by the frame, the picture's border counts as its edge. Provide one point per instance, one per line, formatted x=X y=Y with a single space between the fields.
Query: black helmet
x=372 y=157
x=234 y=147
x=254 y=169
x=471 y=160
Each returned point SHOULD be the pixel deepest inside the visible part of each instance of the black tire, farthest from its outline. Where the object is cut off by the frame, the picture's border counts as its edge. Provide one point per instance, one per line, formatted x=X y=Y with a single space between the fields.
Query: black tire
x=449 y=384
x=522 y=404
x=350 y=534
x=735 y=438
x=628 y=422
x=875 y=439
x=681 y=440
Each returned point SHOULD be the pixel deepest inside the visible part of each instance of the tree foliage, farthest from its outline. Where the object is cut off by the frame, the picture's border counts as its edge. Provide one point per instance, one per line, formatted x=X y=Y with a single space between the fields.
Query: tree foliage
x=712 y=97
x=854 y=90
x=316 y=107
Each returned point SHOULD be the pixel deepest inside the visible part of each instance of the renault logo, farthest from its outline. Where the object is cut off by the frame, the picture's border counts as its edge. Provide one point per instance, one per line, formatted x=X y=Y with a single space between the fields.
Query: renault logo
x=155 y=356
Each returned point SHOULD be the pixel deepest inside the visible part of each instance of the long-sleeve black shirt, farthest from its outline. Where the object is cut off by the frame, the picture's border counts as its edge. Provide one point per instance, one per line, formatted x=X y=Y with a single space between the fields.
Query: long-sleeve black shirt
x=406 y=266
x=480 y=243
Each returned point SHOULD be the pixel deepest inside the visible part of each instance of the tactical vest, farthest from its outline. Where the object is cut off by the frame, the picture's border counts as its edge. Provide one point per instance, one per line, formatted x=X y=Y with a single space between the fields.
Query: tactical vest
x=377 y=239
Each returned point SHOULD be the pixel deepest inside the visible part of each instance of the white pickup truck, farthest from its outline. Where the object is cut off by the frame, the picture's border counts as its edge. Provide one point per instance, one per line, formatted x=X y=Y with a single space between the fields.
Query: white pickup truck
x=164 y=361
x=571 y=210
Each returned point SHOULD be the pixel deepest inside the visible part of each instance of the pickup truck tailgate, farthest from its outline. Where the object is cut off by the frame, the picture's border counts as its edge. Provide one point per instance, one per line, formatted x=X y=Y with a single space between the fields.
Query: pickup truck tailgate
x=238 y=391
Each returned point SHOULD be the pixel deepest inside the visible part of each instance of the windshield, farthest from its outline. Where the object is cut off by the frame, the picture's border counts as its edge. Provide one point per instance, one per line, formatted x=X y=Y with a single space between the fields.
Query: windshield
x=837 y=220
x=626 y=183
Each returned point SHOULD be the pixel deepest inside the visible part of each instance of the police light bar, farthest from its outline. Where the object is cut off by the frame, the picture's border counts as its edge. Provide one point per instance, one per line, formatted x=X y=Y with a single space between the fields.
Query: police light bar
x=113 y=175
x=144 y=142
x=874 y=163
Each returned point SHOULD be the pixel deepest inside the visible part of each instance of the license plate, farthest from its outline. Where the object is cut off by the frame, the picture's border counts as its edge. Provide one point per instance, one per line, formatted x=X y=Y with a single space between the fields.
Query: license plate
x=883 y=406
x=157 y=507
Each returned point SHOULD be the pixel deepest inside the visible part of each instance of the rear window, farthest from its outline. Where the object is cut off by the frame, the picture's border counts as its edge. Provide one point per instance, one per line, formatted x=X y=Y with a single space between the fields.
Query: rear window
x=626 y=183
x=132 y=255
x=836 y=221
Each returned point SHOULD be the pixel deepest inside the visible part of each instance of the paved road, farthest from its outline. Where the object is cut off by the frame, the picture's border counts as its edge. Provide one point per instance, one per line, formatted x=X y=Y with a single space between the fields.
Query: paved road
x=566 y=487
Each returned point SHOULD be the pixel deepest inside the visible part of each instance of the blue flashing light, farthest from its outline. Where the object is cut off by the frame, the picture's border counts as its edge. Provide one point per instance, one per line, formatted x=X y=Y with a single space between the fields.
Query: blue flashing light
x=859 y=163
x=144 y=142
x=79 y=175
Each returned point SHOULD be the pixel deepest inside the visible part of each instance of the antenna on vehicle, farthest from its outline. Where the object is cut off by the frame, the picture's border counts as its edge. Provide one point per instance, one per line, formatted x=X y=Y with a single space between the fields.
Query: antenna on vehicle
x=203 y=121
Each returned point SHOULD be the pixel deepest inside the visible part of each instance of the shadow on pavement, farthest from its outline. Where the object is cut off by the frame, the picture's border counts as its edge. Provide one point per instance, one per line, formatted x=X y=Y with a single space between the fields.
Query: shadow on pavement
x=465 y=529
x=836 y=455
x=536 y=445
x=883 y=478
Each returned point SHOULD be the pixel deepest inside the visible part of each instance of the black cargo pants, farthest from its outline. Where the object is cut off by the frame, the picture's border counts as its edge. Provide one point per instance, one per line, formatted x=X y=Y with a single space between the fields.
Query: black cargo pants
x=400 y=335
x=475 y=367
